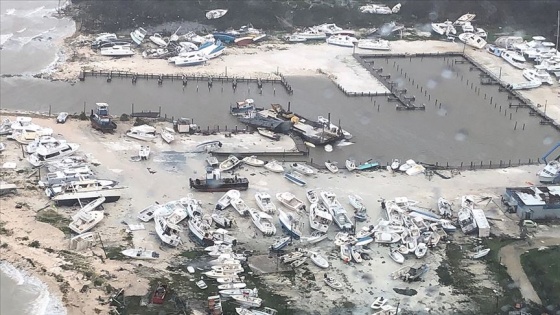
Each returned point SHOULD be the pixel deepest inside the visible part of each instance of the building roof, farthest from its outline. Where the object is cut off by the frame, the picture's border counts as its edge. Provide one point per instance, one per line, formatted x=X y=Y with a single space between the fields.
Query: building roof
x=537 y=196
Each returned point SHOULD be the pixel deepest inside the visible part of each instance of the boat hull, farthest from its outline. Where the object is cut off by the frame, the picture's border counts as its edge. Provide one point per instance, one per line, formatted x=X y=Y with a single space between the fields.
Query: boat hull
x=219 y=185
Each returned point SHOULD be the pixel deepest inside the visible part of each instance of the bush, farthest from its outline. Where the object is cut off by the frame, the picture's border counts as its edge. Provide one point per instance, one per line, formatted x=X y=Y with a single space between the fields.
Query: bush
x=35 y=244
x=124 y=117
x=83 y=116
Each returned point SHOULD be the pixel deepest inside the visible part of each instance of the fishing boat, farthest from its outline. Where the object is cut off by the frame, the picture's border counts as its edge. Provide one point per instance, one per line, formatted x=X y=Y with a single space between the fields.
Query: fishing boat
x=201 y=284
x=342 y=40
x=117 y=51
x=421 y=250
x=331 y=166
x=159 y=294
x=264 y=201
x=374 y=44
x=325 y=121
x=298 y=262
x=513 y=58
x=367 y=165
x=140 y=253
x=214 y=182
x=291 y=201
x=263 y=222
x=49 y=153
x=268 y=134
x=319 y=217
x=231 y=162
x=84 y=220
x=216 y=14
x=350 y=165
x=473 y=40
x=480 y=253
x=319 y=260
x=168 y=233
x=232 y=285
x=240 y=206
x=302 y=168
x=221 y=220
x=274 y=166
x=331 y=282
x=101 y=120
x=290 y=223
x=395 y=164
x=143 y=132
x=253 y=161
x=212 y=161
x=249 y=301
x=295 y=177
x=312 y=196
x=144 y=152
x=281 y=243
x=167 y=135
x=225 y=200
x=444 y=208
x=396 y=256
x=357 y=202
x=242 y=108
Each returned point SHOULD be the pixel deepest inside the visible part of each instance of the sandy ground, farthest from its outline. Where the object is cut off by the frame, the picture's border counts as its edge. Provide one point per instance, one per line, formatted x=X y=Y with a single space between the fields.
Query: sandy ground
x=165 y=177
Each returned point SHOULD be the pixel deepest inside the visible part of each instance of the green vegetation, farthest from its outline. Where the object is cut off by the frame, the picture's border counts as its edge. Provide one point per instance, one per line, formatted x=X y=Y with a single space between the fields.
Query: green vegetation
x=124 y=117
x=83 y=116
x=80 y=264
x=35 y=244
x=114 y=253
x=543 y=270
x=4 y=230
x=55 y=219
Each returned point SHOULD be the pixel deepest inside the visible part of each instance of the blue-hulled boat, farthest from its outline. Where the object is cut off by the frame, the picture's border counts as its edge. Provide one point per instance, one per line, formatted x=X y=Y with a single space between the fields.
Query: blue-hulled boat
x=295 y=178
x=224 y=37
x=367 y=165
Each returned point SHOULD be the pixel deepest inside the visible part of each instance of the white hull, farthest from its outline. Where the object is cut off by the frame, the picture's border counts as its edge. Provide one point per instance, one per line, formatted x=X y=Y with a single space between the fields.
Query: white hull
x=231 y=162
x=225 y=200
x=253 y=161
x=168 y=233
x=274 y=166
x=240 y=206
x=263 y=222
x=319 y=260
x=42 y=156
x=140 y=253
x=84 y=221
x=371 y=44
x=264 y=201
x=291 y=201
x=319 y=218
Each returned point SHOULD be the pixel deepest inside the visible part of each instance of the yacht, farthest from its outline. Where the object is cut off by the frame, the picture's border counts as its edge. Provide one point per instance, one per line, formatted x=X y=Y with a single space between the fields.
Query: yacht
x=538 y=75
x=263 y=222
x=168 y=233
x=332 y=29
x=199 y=227
x=473 y=40
x=444 y=28
x=50 y=152
x=85 y=190
x=309 y=34
x=467 y=27
x=374 y=44
x=117 y=51
x=513 y=58
x=189 y=59
x=376 y=9
x=143 y=132
x=342 y=40
x=550 y=172
x=319 y=218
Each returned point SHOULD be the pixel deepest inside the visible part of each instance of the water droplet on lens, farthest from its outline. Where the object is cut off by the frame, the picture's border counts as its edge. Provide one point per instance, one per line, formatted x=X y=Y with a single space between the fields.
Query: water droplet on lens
x=442 y=112
x=461 y=135
x=447 y=74
x=547 y=140
x=431 y=84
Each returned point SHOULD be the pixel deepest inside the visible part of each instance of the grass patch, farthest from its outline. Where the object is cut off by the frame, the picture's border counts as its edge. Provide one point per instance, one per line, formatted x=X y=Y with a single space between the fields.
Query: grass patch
x=55 y=219
x=4 y=230
x=543 y=270
x=80 y=264
x=35 y=244
x=114 y=253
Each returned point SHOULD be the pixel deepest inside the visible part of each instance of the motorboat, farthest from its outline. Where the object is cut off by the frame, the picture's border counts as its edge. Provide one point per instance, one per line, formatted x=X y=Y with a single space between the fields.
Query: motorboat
x=249 y=301
x=147 y=214
x=538 y=75
x=268 y=134
x=331 y=166
x=29 y=136
x=357 y=202
x=319 y=217
x=291 y=201
x=342 y=40
x=42 y=141
x=226 y=199
x=340 y=217
x=333 y=128
x=298 y=262
x=328 y=148
x=101 y=119
x=295 y=177
x=207 y=146
x=480 y=253
x=379 y=303
x=158 y=40
x=222 y=220
x=144 y=152
x=138 y=35
x=221 y=248
x=140 y=253
x=513 y=58
x=379 y=9
x=550 y=172
x=467 y=27
x=466 y=221
x=167 y=135
x=230 y=292
x=444 y=207
x=98 y=183
x=356 y=254
x=318 y=260
x=240 y=206
x=62 y=117
x=407 y=165
x=191 y=59
x=312 y=196
x=446 y=28
x=316 y=237
x=65 y=176
x=143 y=132
x=311 y=34
x=212 y=161
x=290 y=223
x=473 y=40
x=243 y=41
x=302 y=168
x=200 y=231
x=289 y=257
x=222 y=236
x=331 y=282
x=117 y=51
x=350 y=165
x=296 y=38
x=253 y=161
x=421 y=250
x=263 y=222
x=385 y=237
x=369 y=164
x=49 y=153
x=374 y=44
x=329 y=199
x=168 y=233
x=281 y=243
x=345 y=252
x=87 y=217
x=465 y=18
x=231 y=162
x=447 y=226
x=232 y=285
x=201 y=284
x=264 y=201
x=395 y=164
x=222 y=273
x=274 y=166
x=216 y=14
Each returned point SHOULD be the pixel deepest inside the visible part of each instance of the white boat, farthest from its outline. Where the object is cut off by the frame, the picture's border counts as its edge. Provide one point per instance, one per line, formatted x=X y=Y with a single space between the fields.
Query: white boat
x=97 y=183
x=140 y=253
x=226 y=199
x=143 y=132
x=190 y=59
x=350 y=165
x=480 y=253
x=216 y=14
x=158 y=40
x=263 y=222
x=222 y=248
x=295 y=177
x=549 y=172
x=319 y=260
x=212 y=161
x=319 y=217
x=298 y=262
x=138 y=35
x=467 y=27
x=396 y=256
x=87 y=190
x=468 y=17
x=264 y=201
x=311 y=34
x=331 y=282
x=38 y=141
x=331 y=166
x=289 y=257
x=447 y=226
x=328 y=148
x=342 y=40
x=377 y=9
x=290 y=223
x=357 y=202
x=249 y=301
x=356 y=254
x=222 y=220
x=144 y=152
x=374 y=44
x=312 y=196
x=240 y=206
x=538 y=75
x=65 y=176
x=316 y=237
x=302 y=168
x=281 y=243
x=295 y=38
x=473 y=40
x=221 y=274
x=446 y=28
x=386 y=237
x=168 y=233
x=45 y=154
x=167 y=135
x=407 y=165
x=230 y=292
x=274 y=166
x=444 y=207
x=396 y=8
x=84 y=220
x=231 y=162
x=513 y=58
x=421 y=250
x=378 y=303
x=117 y=51
x=340 y=217
x=329 y=199
x=291 y=201
x=62 y=117
x=268 y=134
x=201 y=284
x=234 y=285
x=253 y=161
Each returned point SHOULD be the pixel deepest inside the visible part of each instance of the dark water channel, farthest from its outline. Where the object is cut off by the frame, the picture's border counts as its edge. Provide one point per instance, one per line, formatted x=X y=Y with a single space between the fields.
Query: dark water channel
x=465 y=128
